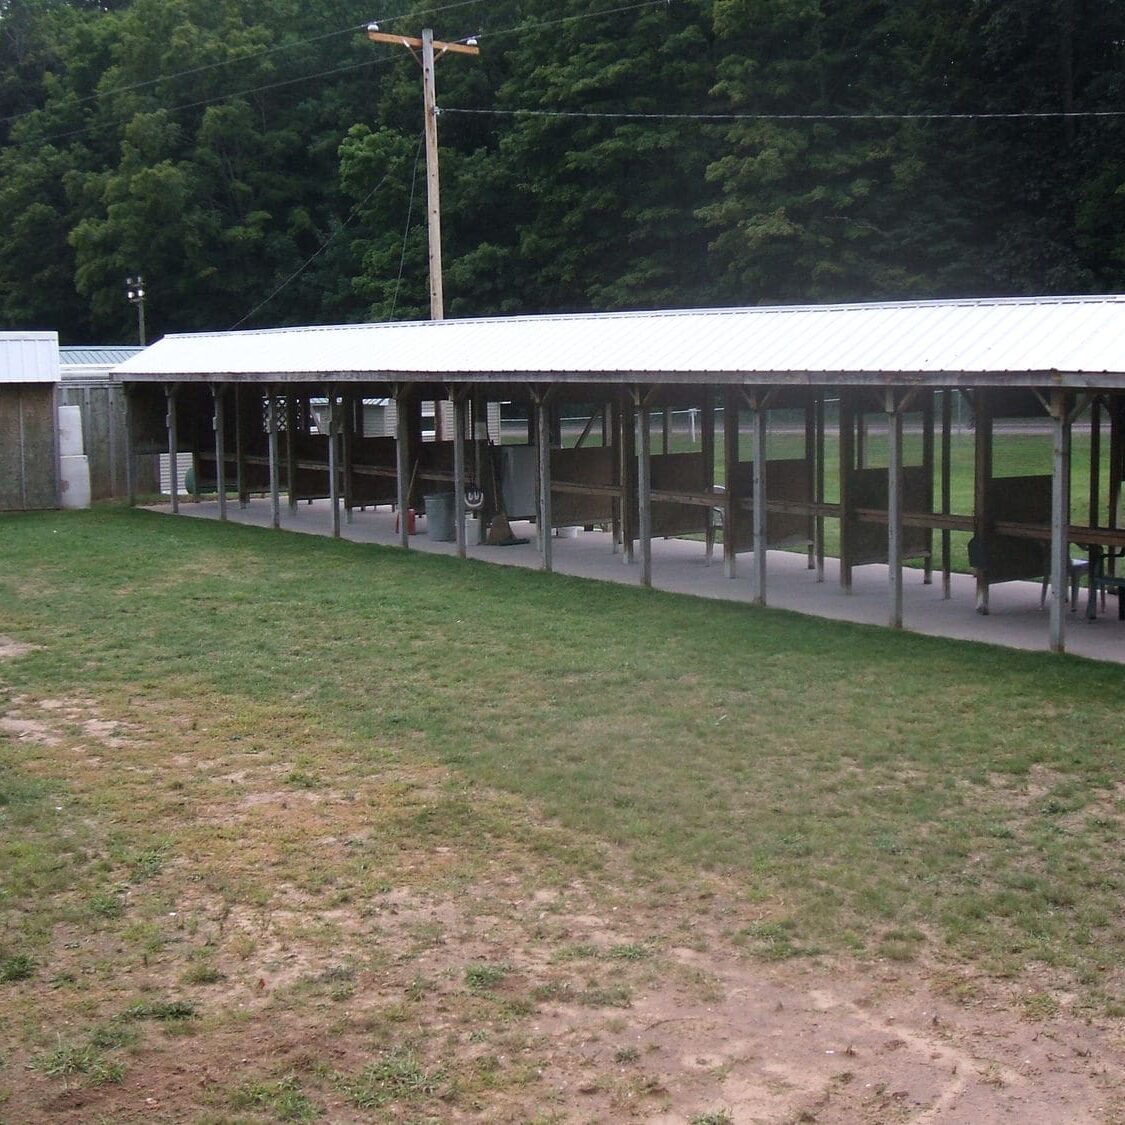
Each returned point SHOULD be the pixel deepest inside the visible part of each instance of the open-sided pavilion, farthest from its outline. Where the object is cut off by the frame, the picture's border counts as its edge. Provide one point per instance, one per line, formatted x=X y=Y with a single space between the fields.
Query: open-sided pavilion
x=282 y=411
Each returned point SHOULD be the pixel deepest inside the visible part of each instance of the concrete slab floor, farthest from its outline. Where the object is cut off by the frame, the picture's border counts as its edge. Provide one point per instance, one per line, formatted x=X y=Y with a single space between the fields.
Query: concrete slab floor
x=679 y=566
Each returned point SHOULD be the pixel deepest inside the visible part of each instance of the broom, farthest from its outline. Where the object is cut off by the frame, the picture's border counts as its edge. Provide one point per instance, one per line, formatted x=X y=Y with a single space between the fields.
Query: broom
x=499 y=529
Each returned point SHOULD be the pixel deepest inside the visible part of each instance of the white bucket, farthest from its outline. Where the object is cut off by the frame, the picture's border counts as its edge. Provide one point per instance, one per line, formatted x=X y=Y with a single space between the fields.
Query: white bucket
x=75 y=480
x=70 y=431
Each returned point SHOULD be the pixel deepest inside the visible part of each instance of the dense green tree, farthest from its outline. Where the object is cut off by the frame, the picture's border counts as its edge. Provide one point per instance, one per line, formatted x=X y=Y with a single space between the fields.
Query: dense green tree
x=259 y=162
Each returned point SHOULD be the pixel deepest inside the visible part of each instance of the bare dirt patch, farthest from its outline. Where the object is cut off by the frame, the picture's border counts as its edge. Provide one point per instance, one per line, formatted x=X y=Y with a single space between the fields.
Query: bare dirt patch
x=12 y=649
x=376 y=950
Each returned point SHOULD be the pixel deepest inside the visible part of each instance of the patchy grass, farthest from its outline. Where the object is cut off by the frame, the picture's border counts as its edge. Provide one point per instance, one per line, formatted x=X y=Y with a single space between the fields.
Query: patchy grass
x=249 y=772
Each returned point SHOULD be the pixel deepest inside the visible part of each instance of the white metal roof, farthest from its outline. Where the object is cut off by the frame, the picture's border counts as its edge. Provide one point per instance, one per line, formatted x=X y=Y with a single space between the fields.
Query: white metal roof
x=997 y=336
x=29 y=357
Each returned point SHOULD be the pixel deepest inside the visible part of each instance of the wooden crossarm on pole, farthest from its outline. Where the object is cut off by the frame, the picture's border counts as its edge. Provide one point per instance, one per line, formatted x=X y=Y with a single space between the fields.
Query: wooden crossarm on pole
x=412 y=43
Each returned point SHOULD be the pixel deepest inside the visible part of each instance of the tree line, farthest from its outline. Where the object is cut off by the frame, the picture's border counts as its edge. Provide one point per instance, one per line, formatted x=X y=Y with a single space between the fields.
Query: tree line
x=261 y=162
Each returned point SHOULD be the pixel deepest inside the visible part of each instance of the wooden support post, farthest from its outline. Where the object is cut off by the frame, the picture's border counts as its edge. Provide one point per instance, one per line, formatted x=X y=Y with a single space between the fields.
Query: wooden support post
x=644 y=485
x=1116 y=465
x=628 y=476
x=220 y=424
x=617 y=525
x=818 y=489
x=758 y=416
x=173 y=447
x=240 y=449
x=982 y=479
x=928 y=469
x=130 y=456
x=1060 y=515
x=402 y=464
x=1095 y=479
x=275 y=467
x=861 y=435
x=665 y=431
x=810 y=471
x=543 y=438
x=333 y=466
x=347 y=437
x=291 y=447
x=847 y=466
x=707 y=441
x=460 y=403
x=894 y=506
x=946 y=489
x=478 y=434
x=730 y=464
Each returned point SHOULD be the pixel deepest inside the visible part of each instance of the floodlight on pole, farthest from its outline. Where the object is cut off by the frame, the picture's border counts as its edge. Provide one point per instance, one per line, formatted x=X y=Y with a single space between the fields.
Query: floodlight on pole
x=135 y=295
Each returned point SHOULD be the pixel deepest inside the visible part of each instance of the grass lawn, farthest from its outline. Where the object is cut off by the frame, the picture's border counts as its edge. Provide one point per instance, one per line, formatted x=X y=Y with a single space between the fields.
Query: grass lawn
x=220 y=735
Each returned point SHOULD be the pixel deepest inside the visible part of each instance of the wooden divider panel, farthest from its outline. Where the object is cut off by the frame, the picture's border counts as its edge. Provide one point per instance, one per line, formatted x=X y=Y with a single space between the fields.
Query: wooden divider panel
x=1009 y=558
x=788 y=479
x=868 y=488
x=678 y=472
x=593 y=465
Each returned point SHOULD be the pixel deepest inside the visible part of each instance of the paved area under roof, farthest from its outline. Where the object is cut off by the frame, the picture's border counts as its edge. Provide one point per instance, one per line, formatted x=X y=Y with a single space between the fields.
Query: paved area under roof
x=679 y=566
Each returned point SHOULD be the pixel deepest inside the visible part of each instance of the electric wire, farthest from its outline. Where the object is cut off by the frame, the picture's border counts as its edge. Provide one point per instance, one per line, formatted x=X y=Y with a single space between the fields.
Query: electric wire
x=627 y=116
x=262 y=52
x=563 y=19
x=221 y=98
x=316 y=254
x=406 y=229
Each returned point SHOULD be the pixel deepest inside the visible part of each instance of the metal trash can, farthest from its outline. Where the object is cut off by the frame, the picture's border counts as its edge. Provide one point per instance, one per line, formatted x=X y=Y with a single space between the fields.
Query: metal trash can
x=439 y=517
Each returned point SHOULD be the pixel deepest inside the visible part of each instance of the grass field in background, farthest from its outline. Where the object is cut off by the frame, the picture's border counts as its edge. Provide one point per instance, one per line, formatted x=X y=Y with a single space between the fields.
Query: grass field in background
x=1015 y=453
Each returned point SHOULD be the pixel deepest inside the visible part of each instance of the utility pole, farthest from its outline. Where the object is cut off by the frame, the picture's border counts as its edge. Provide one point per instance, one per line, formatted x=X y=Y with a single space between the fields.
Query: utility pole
x=428 y=46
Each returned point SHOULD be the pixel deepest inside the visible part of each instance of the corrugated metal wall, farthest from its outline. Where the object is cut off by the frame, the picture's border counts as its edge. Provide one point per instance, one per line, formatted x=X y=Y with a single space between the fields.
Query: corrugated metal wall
x=29 y=472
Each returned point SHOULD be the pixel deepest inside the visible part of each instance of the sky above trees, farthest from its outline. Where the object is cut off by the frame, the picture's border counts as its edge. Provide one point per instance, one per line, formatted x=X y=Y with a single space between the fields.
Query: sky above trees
x=259 y=163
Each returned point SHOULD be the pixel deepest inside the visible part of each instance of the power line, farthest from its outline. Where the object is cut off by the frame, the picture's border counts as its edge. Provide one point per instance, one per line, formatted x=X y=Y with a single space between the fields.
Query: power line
x=624 y=116
x=244 y=58
x=313 y=257
x=567 y=19
x=221 y=97
x=292 y=81
x=406 y=229
x=193 y=70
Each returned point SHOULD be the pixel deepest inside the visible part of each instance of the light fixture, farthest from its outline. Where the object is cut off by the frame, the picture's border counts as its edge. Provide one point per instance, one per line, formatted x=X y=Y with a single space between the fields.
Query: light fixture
x=471 y=41
x=372 y=26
